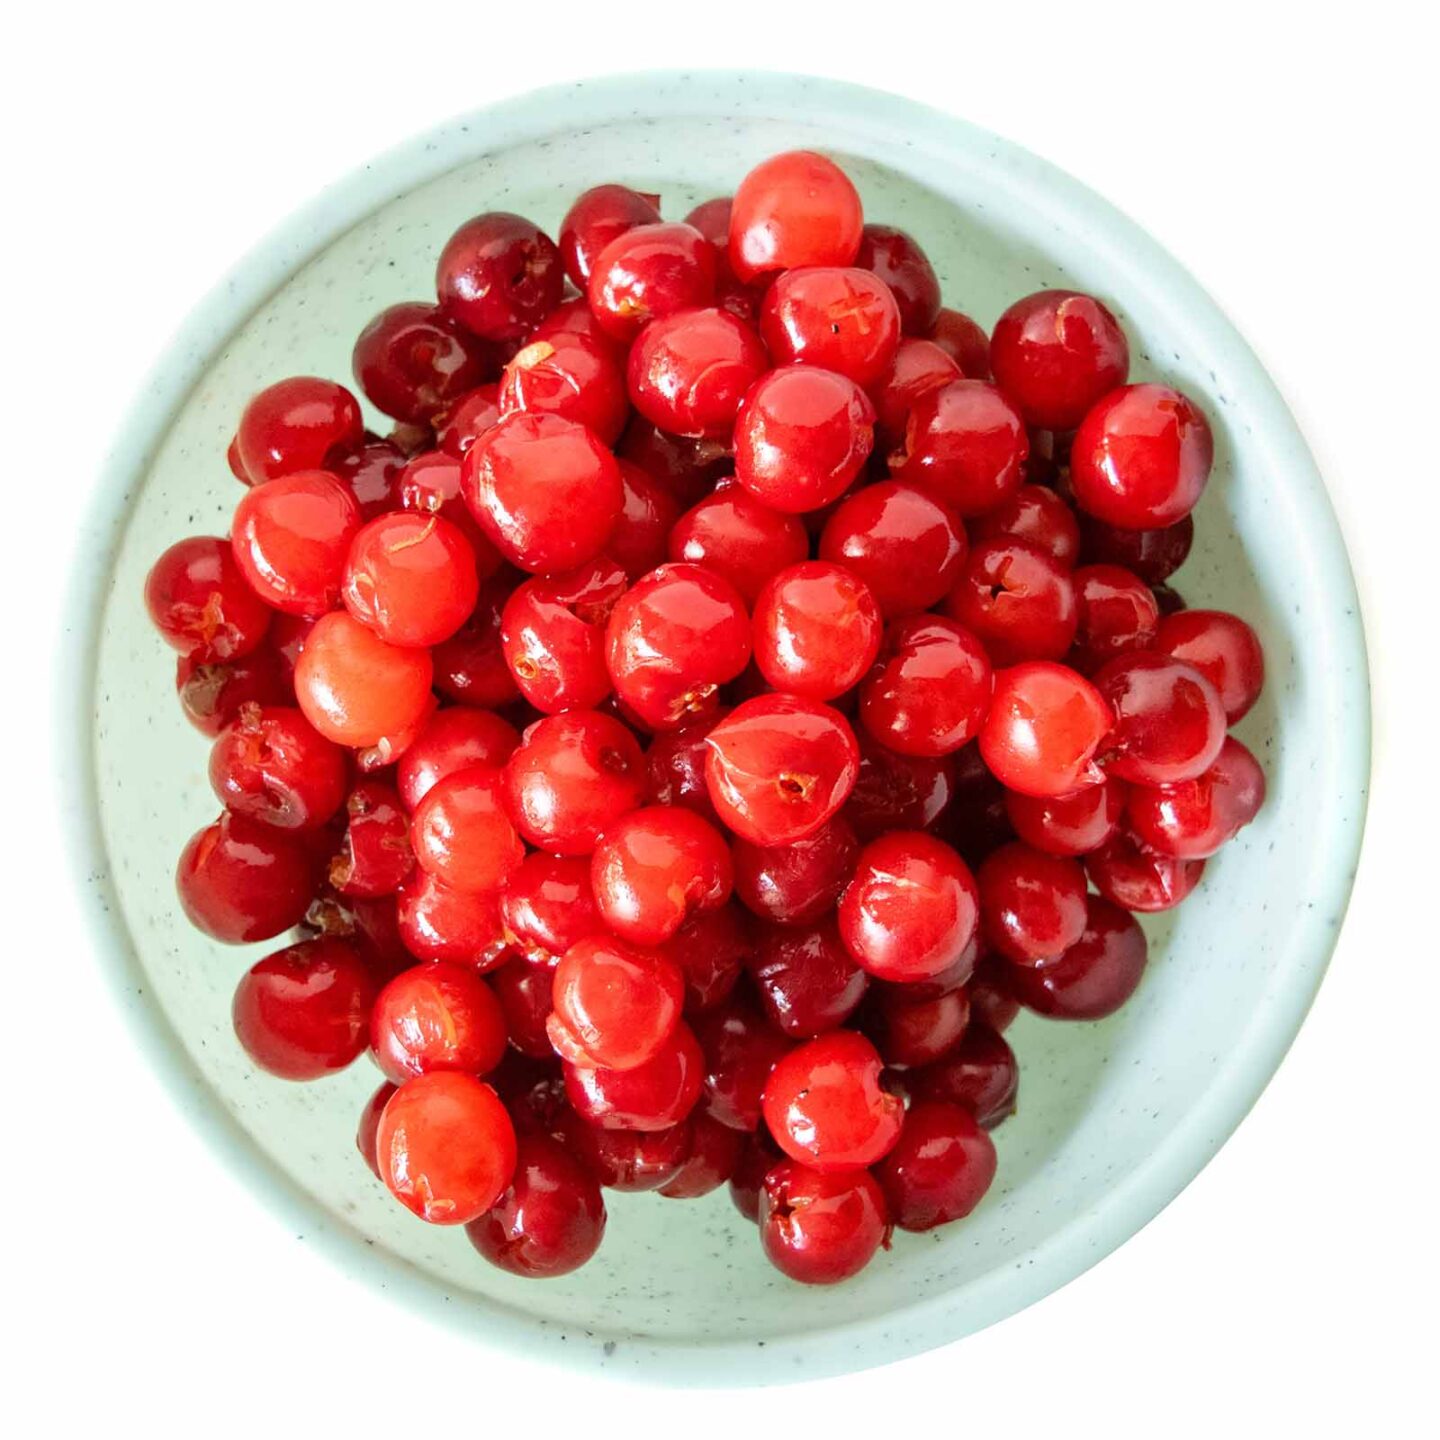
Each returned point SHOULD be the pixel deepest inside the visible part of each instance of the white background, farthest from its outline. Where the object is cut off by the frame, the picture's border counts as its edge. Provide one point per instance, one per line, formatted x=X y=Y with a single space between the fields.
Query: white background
x=1287 y=159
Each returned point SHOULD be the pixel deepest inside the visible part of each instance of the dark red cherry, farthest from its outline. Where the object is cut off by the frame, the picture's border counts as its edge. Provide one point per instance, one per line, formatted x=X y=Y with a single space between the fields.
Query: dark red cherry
x=498 y=275
x=1096 y=976
x=414 y=362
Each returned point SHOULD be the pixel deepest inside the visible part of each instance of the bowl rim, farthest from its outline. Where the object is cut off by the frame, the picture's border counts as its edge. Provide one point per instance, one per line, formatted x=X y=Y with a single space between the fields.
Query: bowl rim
x=845 y=1345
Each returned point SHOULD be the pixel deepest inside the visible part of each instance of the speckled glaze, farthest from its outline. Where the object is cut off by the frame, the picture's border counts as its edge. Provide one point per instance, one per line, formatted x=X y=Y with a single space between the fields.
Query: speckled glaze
x=1114 y=1119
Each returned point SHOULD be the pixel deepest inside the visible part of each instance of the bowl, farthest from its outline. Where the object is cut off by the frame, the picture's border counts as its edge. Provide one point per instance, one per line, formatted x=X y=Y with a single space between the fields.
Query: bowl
x=1115 y=1117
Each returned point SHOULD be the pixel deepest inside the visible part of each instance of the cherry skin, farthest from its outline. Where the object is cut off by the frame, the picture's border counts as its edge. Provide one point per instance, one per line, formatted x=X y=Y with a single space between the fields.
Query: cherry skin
x=1193 y=819
x=438 y=923
x=429 y=484
x=296 y=424
x=687 y=373
x=546 y=492
x=1133 y=877
x=1056 y=353
x=1017 y=600
x=963 y=341
x=1040 y=518
x=572 y=376
x=896 y=258
x=940 y=1168
x=796 y=884
x=461 y=833
x=368 y=1129
x=374 y=857
x=793 y=209
x=1032 y=905
x=966 y=444
x=687 y=467
x=354 y=688
x=648 y=272
x=897 y=792
x=470 y=666
x=711 y=948
x=648 y=513
x=446 y=1147
x=1141 y=457
x=303 y=1012
x=801 y=437
x=553 y=635
x=825 y=1106
x=1153 y=555
x=1117 y=614
x=673 y=640
x=1072 y=824
x=1045 y=724
x=919 y=367
x=525 y=991
x=550 y=1219
x=575 y=317
x=806 y=979
x=901 y=542
x=1093 y=978
x=779 y=767
x=980 y=1074
x=452 y=740
x=411 y=578
x=199 y=600
x=816 y=630
x=549 y=905
x=842 y=320
x=630 y=1160
x=675 y=765
x=439 y=1016
x=1169 y=722
x=929 y=693
x=737 y=536
x=615 y=1004
x=270 y=764
x=715 y=1151
x=657 y=1094
x=498 y=275
x=911 y=1030
x=758 y=1158
x=820 y=1228
x=213 y=695
x=467 y=420
x=240 y=880
x=573 y=775
x=911 y=909
x=740 y=1049
x=414 y=362
x=1224 y=649
x=596 y=218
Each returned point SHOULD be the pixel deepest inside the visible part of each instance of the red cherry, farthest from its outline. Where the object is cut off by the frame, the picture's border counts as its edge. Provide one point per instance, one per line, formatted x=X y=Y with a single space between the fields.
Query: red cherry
x=467 y=420
x=213 y=695
x=1017 y=600
x=631 y=1160
x=819 y=1228
x=525 y=990
x=1096 y=976
x=738 y=537
x=714 y=1153
x=1039 y=517
x=648 y=272
x=688 y=372
x=1045 y=724
x=296 y=424
x=1153 y=555
x=940 y=1168
x=575 y=317
x=657 y=1094
x=439 y=1016
x=549 y=905
x=452 y=740
x=911 y=1030
x=411 y=578
x=1133 y=877
x=1073 y=824
x=462 y=834
x=758 y=1158
x=595 y=219
x=842 y=320
x=897 y=792
x=1032 y=905
x=616 y=1005
x=1117 y=614
x=675 y=763
x=368 y=1129
x=919 y=367
x=571 y=376
x=413 y=362
x=740 y=1050
x=807 y=981
x=270 y=764
x=1194 y=818
x=198 y=599
x=1169 y=722
x=796 y=884
x=1224 y=649
x=896 y=258
x=793 y=209
x=816 y=630
x=498 y=275
x=648 y=513
x=240 y=880
x=470 y=666
x=963 y=341
x=710 y=948
x=980 y=1074
x=438 y=923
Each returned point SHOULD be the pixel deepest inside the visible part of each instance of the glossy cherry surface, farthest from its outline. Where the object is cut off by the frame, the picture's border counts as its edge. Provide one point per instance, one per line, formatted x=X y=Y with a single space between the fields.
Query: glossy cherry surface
x=374 y=855
x=740 y=1048
x=845 y=320
x=1032 y=905
x=369 y=1126
x=452 y=740
x=1153 y=555
x=597 y=217
x=296 y=424
x=794 y=209
x=820 y=1228
x=212 y=695
x=740 y=538
x=467 y=420
x=271 y=764
x=1169 y=722
x=549 y=905
x=715 y=1151
x=1040 y=518
x=648 y=272
x=688 y=372
x=816 y=630
x=807 y=981
x=1046 y=723
x=797 y=883
x=896 y=259
x=910 y=1030
x=1224 y=649
x=616 y=1004
x=568 y=375
x=439 y=1016
x=981 y=1074
x=462 y=834
x=411 y=578
x=240 y=880
x=498 y=275
x=198 y=598
x=1117 y=614
x=470 y=666
x=897 y=792
x=963 y=341
x=631 y=1160
x=919 y=367
x=1017 y=600
x=1096 y=976
x=657 y=1094
x=1071 y=824
x=648 y=512
x=413 y=362
x=940 y=1168
x=1194 y=818
x=525 y=990
x=1134 y=877
x=930 y=690
x=711 y=948
x=438 y=923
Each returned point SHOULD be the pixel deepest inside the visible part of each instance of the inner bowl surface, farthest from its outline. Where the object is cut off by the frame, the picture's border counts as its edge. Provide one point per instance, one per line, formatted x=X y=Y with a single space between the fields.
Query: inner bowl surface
x=1115 y=1118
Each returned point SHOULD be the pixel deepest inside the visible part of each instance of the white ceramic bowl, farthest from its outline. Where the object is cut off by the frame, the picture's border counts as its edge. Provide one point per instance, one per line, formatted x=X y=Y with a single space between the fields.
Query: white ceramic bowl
x=1115 y=1118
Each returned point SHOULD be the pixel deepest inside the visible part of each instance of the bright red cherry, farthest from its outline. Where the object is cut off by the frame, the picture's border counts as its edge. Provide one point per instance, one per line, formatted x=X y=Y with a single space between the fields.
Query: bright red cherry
x=411 y=578
x=896 y=258
x=1141 y=458
x=1133 y=877
x=1096 y=976
x=740 y=538
x=1045 y=724
x=291 y=537
x=1032 y=905
x=553 y=634
x=438 y=923
x=779 y=767
x=801 y=437
x=1117 y=613
x=429 y=484
x=929 y=692
x=1039 y=517
x=354 y=688
x=303 y=1012
x=793 y=209
x=453 y=740
x=571 y=376
x=1056 y=353
x=615 y=1004
x=551 y=1218
x=462 y=834
x=806 y=980
x=549 y=905
x=413 y=362
x=688 y=372
x=498 y=275
x=897 y=792
x=1017 y=600
x=296 y=424
x=198 y=599
x=648 y=272
x=597 y=217
x=575 y=317
x=841 y=320
x=439 y=1016
x=213 y=695
x=919 y=367
x=470 y=666
x=904 y=544
x=1194 y=818
x=545 y=491
x=1169 y=722
x=820 y=1228
x=963 y=341
x=1073 y=824
x=240 y=880
x=796 y=884
x=715 y=1151
x=1223 y=648
x=911 y=909
x=911 y=1030
x=374 y=855
x=271 y=764
x=966 y=444
x=673 y=640
x=446 y=1147
x=656 y=1094
x=826 y=1107
x=980 y=1073
x=1153 y=555
x=388 y=748
x=940 y=1168
x=816 y=630
x=573 y=775
x=467 y=420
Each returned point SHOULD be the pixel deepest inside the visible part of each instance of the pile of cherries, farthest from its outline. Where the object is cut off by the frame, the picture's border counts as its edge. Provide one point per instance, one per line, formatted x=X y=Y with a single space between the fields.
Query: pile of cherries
x=726 y=696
